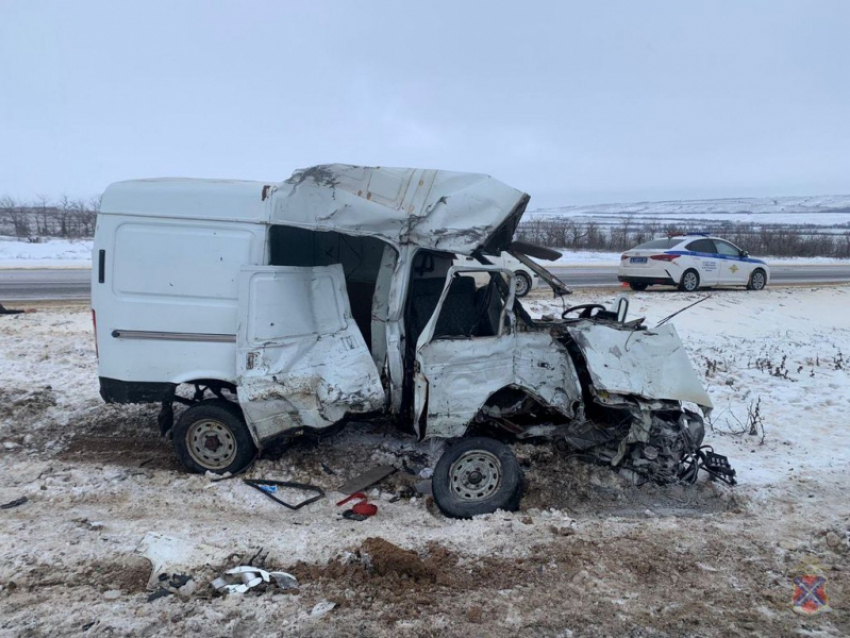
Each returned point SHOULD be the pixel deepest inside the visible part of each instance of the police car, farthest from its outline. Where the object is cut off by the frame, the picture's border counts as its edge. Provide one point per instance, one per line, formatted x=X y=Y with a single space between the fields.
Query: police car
x=690 y=262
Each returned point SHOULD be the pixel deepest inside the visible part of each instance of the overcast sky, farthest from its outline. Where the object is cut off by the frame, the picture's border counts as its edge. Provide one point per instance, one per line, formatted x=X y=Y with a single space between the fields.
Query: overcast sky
x=584 y=102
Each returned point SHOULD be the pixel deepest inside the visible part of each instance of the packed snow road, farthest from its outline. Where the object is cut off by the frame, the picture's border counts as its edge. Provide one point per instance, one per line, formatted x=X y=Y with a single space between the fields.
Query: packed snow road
x=48 y=284
x=588 y=554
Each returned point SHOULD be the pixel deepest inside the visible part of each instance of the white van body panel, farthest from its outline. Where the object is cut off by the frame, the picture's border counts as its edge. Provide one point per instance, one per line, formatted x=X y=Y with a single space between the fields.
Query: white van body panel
x=167 y=277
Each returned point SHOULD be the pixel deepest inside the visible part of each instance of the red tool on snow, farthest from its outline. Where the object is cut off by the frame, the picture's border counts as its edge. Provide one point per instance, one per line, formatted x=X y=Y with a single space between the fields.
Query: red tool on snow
x=361 y=510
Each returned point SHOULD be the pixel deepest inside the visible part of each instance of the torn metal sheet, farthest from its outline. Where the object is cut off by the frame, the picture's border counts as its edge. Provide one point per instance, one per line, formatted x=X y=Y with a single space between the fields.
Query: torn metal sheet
x=301 y=360
x=435 y=209
x=366 y=479
x=651 y=364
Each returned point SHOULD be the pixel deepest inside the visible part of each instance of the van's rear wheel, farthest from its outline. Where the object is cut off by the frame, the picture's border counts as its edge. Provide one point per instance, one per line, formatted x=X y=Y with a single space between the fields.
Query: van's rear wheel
x=477 y=476
x=212 y=436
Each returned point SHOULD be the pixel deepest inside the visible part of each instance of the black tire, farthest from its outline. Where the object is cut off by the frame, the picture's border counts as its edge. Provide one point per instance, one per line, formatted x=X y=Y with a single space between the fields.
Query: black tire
x=523 y=283
x=221 y=424
x=639 y=287
x=687 y=283
x=757 y=282
x=453 y=486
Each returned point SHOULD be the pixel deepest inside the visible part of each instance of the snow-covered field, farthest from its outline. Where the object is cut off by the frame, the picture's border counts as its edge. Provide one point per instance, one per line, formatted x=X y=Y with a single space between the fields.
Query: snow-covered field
x=588 y=554
x=47 y=253
x=829 y=210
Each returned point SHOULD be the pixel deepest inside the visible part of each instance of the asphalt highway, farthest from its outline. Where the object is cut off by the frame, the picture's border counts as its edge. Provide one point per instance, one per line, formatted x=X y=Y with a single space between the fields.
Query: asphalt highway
x=62 y=284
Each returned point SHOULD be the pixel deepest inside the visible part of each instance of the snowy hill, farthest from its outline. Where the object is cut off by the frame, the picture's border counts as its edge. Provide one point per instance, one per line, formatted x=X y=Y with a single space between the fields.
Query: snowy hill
x=828 y=210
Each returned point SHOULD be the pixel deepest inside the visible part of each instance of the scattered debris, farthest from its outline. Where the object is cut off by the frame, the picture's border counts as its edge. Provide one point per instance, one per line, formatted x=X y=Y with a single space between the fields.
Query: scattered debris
x=95 y=526
x=270 y=487
x=322 y=608
x=112 y=594
x=166 y=553
x=425 y=487
x=366 y=479
x=361 y=510
x=15 y=503
x=159 y=592
x=247 y=577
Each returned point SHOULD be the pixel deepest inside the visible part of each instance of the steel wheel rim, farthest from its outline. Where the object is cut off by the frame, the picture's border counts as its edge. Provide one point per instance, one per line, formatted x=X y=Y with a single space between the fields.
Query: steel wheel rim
x=758 y=280
x=522 y=285
x=211 y=444
x=475 y=476
x=690 y=281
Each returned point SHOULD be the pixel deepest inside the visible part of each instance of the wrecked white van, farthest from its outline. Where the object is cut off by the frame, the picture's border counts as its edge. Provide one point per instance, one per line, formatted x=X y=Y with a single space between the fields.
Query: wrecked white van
x=294 y=307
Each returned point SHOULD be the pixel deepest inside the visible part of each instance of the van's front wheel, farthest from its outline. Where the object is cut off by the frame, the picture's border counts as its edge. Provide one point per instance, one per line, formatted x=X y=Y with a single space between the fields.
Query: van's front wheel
x=212 y=436
x=475 y=476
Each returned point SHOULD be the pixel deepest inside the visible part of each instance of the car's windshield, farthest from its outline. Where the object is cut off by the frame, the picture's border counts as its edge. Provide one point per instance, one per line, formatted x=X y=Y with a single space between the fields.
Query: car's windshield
x=667 y=242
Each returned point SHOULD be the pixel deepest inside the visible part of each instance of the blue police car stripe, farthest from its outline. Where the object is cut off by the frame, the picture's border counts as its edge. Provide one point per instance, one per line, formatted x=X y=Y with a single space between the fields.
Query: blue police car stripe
x=691 y=253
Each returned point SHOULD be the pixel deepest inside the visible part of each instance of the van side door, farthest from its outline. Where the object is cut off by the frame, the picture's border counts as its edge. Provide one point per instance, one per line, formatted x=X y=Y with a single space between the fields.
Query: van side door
x=466 y=351
x=301 y=360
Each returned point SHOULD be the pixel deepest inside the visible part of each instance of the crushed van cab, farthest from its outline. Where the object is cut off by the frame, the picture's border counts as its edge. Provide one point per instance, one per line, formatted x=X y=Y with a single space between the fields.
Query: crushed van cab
x=294 y=307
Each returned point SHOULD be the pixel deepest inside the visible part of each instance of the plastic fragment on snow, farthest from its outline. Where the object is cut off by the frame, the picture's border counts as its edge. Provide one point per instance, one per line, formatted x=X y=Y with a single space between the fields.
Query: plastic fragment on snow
x=247 y=577
x=322 y=608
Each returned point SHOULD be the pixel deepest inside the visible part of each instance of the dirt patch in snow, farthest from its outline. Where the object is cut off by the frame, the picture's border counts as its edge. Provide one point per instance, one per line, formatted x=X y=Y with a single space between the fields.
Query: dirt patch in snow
x=123 y=451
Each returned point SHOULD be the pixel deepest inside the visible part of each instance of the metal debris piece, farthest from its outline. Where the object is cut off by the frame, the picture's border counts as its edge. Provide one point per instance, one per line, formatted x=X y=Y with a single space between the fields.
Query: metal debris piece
x=246 y=577
x=15 y=503
x=8 y=311
x=269 y=487
x=159 y=592
x=366 y=479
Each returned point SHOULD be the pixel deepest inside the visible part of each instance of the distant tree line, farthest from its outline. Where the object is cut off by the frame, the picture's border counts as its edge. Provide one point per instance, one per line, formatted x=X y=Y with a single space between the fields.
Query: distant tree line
x=776 y=240
x=46 y=218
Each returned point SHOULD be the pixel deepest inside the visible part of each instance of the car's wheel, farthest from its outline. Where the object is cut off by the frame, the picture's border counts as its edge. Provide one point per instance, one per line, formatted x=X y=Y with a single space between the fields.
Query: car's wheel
x=690 y=281
x=211 y=436
x=758 y=280
x=475 y=476
x=638 y=287
x=523 y=283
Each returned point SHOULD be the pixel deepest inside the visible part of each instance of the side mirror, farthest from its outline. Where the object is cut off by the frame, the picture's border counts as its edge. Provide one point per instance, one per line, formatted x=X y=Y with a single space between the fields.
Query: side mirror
x=622 y=309
x=745 y=253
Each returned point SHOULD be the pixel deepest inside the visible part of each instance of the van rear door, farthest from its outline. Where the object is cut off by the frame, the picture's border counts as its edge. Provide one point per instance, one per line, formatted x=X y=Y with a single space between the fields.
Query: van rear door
x=301 y=359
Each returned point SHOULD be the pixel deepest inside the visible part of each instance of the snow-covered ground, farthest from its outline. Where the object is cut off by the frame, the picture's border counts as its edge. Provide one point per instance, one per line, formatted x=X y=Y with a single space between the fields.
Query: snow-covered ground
x=588 y=555
x=49 y=252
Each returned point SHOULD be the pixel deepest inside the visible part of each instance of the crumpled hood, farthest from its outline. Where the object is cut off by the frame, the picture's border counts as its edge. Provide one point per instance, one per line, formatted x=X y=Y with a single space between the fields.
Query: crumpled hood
x=651 y=364
x=434 y=209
